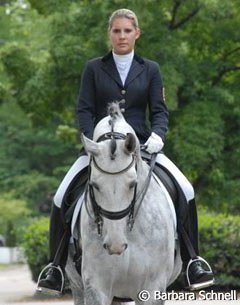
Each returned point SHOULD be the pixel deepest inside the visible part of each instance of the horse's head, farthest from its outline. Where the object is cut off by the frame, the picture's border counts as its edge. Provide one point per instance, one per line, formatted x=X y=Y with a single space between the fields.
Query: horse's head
x=113 y=180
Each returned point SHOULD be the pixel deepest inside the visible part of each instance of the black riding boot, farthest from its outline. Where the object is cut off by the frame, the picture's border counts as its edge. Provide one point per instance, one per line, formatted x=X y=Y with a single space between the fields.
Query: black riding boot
x=51 y=279
x=198 y=273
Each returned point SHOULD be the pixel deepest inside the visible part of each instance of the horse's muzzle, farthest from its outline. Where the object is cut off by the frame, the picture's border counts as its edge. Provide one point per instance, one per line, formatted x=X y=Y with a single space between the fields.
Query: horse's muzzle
x=115 y=249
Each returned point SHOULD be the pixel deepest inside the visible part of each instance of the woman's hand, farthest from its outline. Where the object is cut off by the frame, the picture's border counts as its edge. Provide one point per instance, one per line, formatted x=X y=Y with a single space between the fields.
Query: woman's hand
x=154 y=144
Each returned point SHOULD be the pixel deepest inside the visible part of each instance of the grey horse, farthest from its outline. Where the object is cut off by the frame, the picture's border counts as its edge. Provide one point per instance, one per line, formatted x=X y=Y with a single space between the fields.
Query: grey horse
x=127 y=225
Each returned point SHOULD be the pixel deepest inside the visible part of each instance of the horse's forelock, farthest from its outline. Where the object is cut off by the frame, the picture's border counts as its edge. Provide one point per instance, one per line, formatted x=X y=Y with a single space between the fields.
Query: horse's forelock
x=114 y=110
x=113 y=147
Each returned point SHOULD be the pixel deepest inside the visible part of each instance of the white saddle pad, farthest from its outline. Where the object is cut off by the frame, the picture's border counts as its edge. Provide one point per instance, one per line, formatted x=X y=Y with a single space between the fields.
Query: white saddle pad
x=76 y=212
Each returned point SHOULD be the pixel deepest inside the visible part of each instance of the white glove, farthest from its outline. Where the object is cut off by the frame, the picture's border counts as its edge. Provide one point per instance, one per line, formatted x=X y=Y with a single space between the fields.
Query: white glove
x=154 y=144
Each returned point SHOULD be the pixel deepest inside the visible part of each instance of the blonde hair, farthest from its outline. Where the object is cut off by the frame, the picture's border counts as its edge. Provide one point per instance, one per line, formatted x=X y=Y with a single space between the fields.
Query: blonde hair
x=123 y=12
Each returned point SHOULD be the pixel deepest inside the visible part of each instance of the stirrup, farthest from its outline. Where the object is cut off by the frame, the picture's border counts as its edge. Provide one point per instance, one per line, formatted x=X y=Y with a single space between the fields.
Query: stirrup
x=50 y=291
x=197 y=286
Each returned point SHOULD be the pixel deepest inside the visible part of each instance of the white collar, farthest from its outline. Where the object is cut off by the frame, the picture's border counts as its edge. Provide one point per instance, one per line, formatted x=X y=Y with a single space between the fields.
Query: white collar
x=123 y=59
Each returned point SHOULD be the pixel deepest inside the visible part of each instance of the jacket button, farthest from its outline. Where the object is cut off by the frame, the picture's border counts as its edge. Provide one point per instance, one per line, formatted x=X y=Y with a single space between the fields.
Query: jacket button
x=123 y=91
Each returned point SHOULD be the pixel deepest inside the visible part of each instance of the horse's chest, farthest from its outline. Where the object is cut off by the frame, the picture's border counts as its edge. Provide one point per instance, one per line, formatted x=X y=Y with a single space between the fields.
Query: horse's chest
x=135 y=262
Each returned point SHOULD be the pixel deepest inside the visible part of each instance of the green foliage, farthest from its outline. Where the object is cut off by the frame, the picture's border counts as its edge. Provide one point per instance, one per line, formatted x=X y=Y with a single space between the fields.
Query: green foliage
x=37 y=189
x=193 y=135
x=220 y=243
x=46 y=7
x=35 y=245
x=29 y=158
x=14 y=216
x=18 y=65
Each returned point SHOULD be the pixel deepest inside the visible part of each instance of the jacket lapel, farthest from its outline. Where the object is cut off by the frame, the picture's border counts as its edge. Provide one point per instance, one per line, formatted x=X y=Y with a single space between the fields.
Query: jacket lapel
x=110 y=68
x=136 y=68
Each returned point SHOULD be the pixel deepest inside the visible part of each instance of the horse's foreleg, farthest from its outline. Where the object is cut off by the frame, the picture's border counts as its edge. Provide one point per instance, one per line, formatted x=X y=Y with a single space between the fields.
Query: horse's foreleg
x=95 y=297
x=75 y=279
x=77 y=292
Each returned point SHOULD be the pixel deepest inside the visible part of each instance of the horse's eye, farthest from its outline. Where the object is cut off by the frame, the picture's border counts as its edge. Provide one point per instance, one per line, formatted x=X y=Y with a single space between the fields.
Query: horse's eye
x=132 y=184
x=95 y=185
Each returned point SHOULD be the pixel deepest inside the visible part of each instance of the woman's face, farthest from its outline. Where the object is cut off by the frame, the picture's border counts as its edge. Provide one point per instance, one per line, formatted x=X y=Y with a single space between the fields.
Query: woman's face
x=123 y=35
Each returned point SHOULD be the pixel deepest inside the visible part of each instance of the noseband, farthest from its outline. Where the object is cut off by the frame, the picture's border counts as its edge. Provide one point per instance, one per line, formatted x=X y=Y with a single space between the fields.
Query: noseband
x=98 y=211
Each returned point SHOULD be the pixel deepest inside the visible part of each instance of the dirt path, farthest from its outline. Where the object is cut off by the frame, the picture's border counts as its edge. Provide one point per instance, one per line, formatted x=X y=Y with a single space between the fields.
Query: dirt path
x=15 y=284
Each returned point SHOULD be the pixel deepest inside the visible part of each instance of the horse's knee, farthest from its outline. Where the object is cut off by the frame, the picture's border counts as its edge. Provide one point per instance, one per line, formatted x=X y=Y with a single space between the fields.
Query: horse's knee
x=93 y=295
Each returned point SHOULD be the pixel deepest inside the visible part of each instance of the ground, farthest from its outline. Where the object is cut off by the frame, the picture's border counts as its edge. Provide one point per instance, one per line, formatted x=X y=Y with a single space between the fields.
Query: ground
x=17 y=288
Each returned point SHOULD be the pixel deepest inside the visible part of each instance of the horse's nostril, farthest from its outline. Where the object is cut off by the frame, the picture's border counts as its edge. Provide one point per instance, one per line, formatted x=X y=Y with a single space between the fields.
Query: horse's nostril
x=125 y=246
x=105 y=246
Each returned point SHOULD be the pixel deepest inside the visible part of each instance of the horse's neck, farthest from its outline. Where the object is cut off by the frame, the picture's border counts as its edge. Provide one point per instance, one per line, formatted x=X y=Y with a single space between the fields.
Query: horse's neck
x=143 y=171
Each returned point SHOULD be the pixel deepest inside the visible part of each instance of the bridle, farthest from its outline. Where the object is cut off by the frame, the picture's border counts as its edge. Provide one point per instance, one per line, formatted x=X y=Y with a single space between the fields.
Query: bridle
x=130 y=211
x=93 y=160
x=98 y=211
x=110 y=136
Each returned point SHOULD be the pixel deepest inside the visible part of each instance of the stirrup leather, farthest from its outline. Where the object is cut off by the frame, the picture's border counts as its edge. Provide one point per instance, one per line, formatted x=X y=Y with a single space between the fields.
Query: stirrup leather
x=51 y=291
x=198 y=286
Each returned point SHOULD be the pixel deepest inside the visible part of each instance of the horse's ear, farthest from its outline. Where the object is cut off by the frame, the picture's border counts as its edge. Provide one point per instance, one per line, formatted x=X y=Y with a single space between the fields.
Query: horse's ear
x=90 y=146
x=130 y=143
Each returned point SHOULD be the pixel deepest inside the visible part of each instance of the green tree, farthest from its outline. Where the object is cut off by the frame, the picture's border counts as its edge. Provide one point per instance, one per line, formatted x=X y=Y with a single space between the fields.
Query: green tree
x=32 y=160
x=197 y=46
